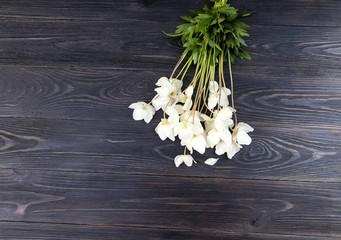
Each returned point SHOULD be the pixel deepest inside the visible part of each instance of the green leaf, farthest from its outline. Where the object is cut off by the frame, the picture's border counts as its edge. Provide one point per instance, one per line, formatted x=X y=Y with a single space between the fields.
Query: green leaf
x=172 y=34
x=243 y=54
x=186 y=18
x=244 y=15
x=228 y=10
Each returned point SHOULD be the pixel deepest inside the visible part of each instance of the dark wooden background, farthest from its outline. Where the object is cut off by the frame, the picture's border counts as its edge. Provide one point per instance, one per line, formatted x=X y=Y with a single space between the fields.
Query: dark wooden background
x=75 y=165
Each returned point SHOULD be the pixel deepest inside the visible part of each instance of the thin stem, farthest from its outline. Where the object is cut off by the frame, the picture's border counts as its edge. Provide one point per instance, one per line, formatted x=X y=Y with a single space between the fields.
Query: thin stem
x=222 y=75
x=178 y=64
x=232 y=98
x=189 y=61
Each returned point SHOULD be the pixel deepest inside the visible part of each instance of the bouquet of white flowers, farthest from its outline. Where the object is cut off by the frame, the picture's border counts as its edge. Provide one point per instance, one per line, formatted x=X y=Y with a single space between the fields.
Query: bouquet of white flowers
x=200 y=114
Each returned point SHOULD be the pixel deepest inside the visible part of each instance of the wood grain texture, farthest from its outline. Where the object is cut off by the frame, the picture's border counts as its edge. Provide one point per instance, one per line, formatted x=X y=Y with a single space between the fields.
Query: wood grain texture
x=82 y=94
x=75 y=165
x=23 y=231
x=134 y=148
x=291 y=12
x=113 y=45
x=188 y=204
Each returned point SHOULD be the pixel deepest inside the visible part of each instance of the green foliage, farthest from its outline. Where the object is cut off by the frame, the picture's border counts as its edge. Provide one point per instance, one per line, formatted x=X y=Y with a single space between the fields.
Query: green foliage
x=215 y=29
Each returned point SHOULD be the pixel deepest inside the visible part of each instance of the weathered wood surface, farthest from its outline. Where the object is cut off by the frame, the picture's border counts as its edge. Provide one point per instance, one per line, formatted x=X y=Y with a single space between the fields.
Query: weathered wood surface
x=74 y=165
x=159 y=202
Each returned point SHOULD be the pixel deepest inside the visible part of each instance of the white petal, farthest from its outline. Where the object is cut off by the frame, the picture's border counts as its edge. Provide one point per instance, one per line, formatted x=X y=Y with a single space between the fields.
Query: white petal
x=148 y=116
x=197 y=128
x=219 y=124
x=186 y=135
x=138 y=114
x=224 y=102
x=161 y=100
x=212 y=101
x=199 y=143
x=226 y=91
x=232 y=150
x=188 y=104
x=136 y=105
x=213 y=86
x=178 y=108
x=211 y=161
x=178 y=128
x=188 y=160
x=176 y=85
x=173 y=115
x=243 y=138
x=226 y=137
x=160 y=131
x=150 y=108
x=178 y=160
x=213 y=138
x=220 y=148
x=163 y=91
x=224 y=114
x=169 y=132
x=189 y=91
x=245 y=127
x=162 y=82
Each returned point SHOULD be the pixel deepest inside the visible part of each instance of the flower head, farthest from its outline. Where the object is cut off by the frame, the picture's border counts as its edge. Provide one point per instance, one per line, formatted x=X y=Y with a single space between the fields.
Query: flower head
x=217 y=94
x=167 y=92
x=187 y=159
x=143 y=111
x=241 y=133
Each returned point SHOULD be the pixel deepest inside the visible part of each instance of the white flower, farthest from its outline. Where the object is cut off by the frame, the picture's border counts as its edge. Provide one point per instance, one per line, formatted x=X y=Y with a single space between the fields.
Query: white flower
x=143 y=111
x=168 y=91
x=209 y=122
x=211 y=161
x=198 y=143
x=222 y=119
x=187 y=159
x=185 y=130
x=232 y=149
x=173 y=115
x=193 y=117
x=162 y=82
x=215 y=136
x=216 y=94
x=191 y=132
x=165 y=129
x=239 y=137
x=188 y=98
x=241 y=133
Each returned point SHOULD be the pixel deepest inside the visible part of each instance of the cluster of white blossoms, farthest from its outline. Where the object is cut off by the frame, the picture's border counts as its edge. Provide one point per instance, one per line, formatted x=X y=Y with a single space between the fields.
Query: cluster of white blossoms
x=197 y=131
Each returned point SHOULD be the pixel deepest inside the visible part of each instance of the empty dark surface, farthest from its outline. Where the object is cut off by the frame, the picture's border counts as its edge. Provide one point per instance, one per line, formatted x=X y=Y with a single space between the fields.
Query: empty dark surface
x=75 y=165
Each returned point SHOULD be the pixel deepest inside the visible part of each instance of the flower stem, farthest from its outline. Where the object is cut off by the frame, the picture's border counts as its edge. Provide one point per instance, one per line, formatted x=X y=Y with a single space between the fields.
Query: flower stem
x=232 y=97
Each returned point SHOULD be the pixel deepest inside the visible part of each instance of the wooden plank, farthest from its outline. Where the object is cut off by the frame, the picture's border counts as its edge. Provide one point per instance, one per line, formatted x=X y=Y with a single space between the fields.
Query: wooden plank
x=86 y=94
x=134 y=148
x=182 y=203
x=269 y=12
x=27 y=230
x=113 y=45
